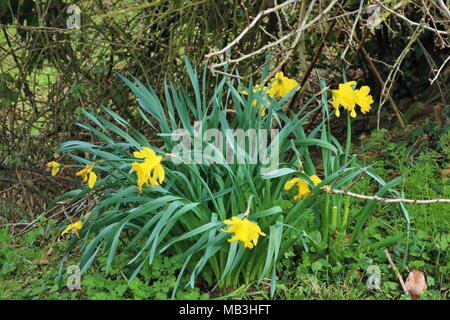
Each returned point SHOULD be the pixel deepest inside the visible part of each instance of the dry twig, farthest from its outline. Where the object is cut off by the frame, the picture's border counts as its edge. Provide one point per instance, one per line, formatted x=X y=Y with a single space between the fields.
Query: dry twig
x=331 y=190
x=399 y=276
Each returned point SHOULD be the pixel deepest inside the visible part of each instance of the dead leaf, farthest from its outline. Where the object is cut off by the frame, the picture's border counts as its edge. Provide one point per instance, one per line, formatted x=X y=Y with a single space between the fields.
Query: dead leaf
x=347 y=238
x=415 y=283
x=445 y=173
x=42 y=262
x=50 y=252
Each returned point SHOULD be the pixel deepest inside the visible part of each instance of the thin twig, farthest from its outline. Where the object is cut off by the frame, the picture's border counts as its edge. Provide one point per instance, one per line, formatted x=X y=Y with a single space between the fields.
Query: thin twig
x=380 y=80
x=247 y=29
x=313 y=62
x=355 y=23
x=279 y=41
x=440 y=69
x=410 y=21
x=358 y=178
x=444 y=8
x=293 y=45
x=331 y=190
x=390 y=80
x=399 y=276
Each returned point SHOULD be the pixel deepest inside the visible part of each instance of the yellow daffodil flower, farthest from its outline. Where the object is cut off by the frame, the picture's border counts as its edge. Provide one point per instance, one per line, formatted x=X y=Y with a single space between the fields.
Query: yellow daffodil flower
x=315 y=179
x=150 y=171
x=143 y=173
x=74 y=227
x=281 y=86
x=88 y=175
x=348 y=98
x=158 y=175
x=303 y=188
x=145 y=153
x=364 y=99
x=55 y=166
x=345 y=97
x=244 y=230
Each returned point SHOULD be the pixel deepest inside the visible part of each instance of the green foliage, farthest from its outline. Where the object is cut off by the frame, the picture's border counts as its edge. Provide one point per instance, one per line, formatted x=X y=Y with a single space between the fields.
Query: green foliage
x=28 y=272
x=343 y=275
x=8 y=96
x=50 y=74
x=302 y=275
x=154 y=282
x=184 y=217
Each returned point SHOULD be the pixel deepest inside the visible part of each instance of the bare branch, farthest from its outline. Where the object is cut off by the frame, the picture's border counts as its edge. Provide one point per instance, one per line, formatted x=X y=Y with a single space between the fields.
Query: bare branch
x=251 y=25
x=410 y=21
x=444 y=8
x=399 y=276
x=440 y=69
x=331 y=190
x=269 y=45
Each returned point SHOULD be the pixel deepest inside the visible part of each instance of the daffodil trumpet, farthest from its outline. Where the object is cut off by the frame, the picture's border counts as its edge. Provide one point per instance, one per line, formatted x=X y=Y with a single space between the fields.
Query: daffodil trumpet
x=302 y=186
x=88 y=174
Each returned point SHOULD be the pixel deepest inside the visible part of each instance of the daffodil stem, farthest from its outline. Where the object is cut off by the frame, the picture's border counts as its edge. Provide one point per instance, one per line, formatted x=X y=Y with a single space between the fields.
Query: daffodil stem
x=334 y=211
x=325 y=222
x=346 y=211
x=249 y=205
x=349 y=137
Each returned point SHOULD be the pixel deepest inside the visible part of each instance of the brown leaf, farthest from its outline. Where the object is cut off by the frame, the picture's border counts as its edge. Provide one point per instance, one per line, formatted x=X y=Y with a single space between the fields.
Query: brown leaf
x=42 y=262
x=50 y=252
x=445 y=173
x=415 y=283
x=347 y=238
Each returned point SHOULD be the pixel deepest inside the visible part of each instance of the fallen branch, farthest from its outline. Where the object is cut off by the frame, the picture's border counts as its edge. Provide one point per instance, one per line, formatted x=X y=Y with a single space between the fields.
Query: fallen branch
x=331 y=190
x=399 y=276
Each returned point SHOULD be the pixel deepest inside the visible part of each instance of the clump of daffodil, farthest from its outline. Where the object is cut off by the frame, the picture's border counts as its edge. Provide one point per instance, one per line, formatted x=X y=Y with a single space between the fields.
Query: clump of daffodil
x=348 y=97
x=88 y=174
x=244 y=230
x=303 y=188
x=150 y=171
x=74 y=228
x=281 y=85
x=55 y=167
x=263 y=92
